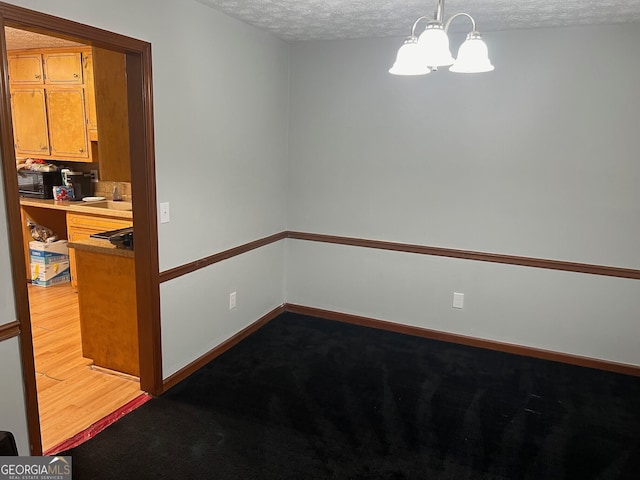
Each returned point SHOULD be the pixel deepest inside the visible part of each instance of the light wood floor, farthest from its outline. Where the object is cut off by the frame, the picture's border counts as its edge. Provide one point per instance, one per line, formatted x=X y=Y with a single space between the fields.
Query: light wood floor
x=71 y=394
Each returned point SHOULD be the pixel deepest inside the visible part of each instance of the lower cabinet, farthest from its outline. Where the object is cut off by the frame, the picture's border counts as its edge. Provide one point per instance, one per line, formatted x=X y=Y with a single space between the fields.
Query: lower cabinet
x=107 y=307
x=80 y=227
x=53 y=219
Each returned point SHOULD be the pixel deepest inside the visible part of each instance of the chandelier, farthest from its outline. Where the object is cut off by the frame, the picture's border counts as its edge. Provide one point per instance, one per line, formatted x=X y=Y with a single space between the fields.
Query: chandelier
x=424 y=54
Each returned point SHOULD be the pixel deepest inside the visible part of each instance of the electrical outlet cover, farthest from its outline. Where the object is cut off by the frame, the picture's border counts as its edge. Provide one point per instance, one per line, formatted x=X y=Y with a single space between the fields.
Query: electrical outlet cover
x=458 y=300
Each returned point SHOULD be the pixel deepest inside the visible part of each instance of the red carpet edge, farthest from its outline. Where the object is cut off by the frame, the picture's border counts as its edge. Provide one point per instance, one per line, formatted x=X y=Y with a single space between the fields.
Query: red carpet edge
x=99 y=426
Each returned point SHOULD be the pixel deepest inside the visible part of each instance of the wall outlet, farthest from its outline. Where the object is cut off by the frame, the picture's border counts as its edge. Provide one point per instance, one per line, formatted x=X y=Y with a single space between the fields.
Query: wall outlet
x=94 y=176
x=458 y=300
x=232 y=300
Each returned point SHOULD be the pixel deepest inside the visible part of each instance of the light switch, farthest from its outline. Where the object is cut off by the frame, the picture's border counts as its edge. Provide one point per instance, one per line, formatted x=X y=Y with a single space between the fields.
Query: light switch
x=164 y=212
x=458 y=300
x=232 y=300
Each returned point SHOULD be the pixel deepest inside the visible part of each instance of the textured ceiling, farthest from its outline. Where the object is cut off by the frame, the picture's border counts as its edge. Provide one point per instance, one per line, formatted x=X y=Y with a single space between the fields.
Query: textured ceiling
x=341 y=19
x=18 y=39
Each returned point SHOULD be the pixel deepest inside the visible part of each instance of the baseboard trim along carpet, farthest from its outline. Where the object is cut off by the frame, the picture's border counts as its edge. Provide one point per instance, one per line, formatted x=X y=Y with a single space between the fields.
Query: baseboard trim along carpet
x=198 y=363
x=561 y=357
x=568 y=358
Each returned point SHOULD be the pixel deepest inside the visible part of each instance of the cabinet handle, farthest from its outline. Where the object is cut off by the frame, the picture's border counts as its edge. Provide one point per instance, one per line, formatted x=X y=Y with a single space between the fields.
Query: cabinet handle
x=43 y=148
x=81 y=150
x=37 y=76
x=75 y=75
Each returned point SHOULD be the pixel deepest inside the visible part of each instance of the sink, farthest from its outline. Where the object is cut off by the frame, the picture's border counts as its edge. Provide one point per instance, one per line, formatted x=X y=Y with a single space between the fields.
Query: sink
x=110 y=205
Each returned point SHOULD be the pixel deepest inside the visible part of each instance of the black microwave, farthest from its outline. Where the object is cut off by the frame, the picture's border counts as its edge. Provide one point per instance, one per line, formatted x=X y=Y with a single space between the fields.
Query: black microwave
x=35 y=184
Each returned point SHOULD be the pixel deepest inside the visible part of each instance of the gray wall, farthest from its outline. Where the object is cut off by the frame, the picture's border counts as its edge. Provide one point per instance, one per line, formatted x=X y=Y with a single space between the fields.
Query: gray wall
x=12 y=406
x=539 y=158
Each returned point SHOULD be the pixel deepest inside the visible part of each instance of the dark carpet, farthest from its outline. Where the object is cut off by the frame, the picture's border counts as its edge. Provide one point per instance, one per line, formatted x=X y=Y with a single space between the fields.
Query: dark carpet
x=306 y=398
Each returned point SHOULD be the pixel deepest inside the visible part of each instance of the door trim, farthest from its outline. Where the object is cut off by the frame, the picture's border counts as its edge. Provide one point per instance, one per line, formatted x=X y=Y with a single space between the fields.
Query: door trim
x=140 y=98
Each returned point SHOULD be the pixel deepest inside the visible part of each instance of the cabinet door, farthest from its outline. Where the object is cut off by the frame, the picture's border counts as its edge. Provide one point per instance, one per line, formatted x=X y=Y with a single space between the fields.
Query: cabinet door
x=67 y=123
x=25 y=69
x=30 y=130
x=80 y=227
x=63 y=68
x=110 y=74
x=95 y=223
x=76 y=234
x=90 y=97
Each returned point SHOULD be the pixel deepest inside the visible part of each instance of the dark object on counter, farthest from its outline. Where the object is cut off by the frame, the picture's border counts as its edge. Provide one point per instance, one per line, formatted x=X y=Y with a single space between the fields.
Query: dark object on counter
x=35 y=184
x=117 y=196
x=81 y=183
x=121 y=238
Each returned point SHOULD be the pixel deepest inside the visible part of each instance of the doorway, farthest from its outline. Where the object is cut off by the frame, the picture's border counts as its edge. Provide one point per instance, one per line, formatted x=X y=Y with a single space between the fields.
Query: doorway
x=141 y=147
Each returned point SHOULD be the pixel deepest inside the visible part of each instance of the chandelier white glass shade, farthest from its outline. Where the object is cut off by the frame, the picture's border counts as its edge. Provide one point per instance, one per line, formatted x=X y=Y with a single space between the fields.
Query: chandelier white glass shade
x=421 y=55
x=434 y=46
x=473 y=56
x=408 y=60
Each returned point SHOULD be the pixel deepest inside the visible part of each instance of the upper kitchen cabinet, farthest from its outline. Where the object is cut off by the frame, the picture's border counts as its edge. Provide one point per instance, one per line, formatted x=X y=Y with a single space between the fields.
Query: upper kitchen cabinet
x=59 y=68
x=30 y=127
x=112 y=114
x=48 y=104
x=90 y=97
x=64 y=68
x=49 y=123
x=26 y=69
x=67 y=124
x=70 y=104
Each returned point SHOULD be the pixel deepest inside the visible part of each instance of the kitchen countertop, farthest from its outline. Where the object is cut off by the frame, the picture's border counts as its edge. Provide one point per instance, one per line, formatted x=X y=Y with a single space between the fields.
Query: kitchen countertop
x=77 y=207
x=98 y=245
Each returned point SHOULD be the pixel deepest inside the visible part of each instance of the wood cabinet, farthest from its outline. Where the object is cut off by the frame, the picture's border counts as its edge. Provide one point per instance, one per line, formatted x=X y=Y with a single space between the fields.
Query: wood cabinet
x=112 y=115
x=89 y=96
x=80 y=227
x=26 y=69
x=50 y=123
x=71 y=104
x=53 y=219
x=55 y=68
x=63 y=68
x=67 y=123
x=108 y=309
x=30 y=125
x=48 y=105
